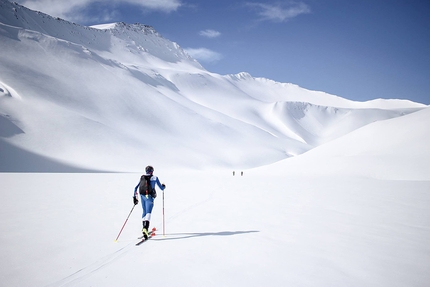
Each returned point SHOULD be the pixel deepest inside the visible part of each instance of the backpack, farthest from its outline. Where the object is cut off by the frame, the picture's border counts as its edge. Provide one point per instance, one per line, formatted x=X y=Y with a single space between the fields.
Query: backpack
x=145 y=187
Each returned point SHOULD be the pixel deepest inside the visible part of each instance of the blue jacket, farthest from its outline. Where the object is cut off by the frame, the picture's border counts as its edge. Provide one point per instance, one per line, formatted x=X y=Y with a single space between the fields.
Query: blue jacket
x=154 y=180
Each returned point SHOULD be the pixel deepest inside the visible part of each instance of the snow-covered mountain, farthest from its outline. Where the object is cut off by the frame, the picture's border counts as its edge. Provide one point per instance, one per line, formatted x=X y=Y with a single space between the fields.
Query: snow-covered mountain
x=351 y=209
x=114 y=97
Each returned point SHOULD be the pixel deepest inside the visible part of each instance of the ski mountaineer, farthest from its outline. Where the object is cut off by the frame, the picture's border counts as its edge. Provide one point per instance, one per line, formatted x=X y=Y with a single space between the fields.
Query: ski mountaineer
x=147 y=192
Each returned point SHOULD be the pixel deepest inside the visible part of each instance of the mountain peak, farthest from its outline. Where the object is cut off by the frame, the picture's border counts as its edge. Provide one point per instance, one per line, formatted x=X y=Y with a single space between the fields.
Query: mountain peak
x=76 y=94
x=124 y=42
x=241 y=76
x=122 y=26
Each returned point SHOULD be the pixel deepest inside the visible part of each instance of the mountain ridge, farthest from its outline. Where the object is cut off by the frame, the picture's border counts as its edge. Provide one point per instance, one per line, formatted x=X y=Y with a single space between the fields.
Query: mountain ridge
x=80 y=94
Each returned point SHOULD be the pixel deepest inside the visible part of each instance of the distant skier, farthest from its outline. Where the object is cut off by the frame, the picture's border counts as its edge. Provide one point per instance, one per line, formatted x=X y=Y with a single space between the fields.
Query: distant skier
x=147 y=193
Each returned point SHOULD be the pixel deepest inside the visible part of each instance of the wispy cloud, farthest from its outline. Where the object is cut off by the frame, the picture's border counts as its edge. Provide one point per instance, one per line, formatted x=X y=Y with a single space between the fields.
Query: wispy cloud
x=72 y=10
x=162 y=5
x=204 y=54
x=210 y=33
x=279 y=12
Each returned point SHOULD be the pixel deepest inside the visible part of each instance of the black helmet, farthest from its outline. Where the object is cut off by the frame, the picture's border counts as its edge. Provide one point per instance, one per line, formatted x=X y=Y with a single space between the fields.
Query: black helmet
x=149 y=169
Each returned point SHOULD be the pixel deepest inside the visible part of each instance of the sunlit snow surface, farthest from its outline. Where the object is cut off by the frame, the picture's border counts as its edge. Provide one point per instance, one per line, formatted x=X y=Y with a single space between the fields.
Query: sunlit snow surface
x=333 y=192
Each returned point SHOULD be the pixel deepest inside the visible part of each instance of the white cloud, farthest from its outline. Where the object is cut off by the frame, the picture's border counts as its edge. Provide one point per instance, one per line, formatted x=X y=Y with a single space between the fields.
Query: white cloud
x=204 y=55
x=72 y=9
x=278 y=12
x=52 y=7
x=163 y=5
x=210 y=33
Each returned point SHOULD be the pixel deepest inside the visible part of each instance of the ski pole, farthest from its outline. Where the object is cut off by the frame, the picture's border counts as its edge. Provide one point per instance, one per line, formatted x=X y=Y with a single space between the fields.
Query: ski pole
x=124 y=223
x=164 y=223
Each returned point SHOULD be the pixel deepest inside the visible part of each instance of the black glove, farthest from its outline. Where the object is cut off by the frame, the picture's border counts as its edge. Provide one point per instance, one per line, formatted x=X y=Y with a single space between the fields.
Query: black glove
x=163 y=185
x=135 y=201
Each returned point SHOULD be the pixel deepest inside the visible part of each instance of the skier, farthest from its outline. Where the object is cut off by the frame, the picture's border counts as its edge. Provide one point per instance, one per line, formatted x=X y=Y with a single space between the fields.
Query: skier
x=147 y=192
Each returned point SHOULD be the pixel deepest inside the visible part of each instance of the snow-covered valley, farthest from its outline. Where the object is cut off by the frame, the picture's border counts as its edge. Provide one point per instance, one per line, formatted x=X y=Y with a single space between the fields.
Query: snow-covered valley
x=333 y=192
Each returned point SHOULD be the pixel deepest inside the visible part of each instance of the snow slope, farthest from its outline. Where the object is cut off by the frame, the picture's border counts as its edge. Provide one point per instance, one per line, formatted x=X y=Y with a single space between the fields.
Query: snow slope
x=106 y=97
x=329 y=217
x=395 y=149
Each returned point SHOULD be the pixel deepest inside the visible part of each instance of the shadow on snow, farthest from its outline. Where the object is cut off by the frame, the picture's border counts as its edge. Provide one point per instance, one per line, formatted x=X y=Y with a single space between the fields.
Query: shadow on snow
x=175 y=236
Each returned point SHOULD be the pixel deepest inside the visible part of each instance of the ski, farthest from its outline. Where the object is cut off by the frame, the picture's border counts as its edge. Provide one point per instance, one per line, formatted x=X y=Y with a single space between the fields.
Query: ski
x=144 y=240
x=152 y=233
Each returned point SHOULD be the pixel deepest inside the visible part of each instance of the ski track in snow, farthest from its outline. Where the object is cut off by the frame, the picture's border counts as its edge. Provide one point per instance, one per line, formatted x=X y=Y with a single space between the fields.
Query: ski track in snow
x=97 y=266
x=91 y=269
x=352 y=230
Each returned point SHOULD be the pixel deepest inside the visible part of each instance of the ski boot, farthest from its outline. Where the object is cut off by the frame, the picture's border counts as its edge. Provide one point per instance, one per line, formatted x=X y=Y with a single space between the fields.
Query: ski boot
x=145 y=229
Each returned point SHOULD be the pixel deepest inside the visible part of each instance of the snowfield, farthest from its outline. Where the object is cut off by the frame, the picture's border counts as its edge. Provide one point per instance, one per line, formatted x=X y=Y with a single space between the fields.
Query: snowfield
x=265 y=227
x=333 y=192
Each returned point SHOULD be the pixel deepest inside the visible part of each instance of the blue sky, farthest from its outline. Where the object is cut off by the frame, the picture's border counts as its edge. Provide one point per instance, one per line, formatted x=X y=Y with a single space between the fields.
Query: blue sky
x=360 y=50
